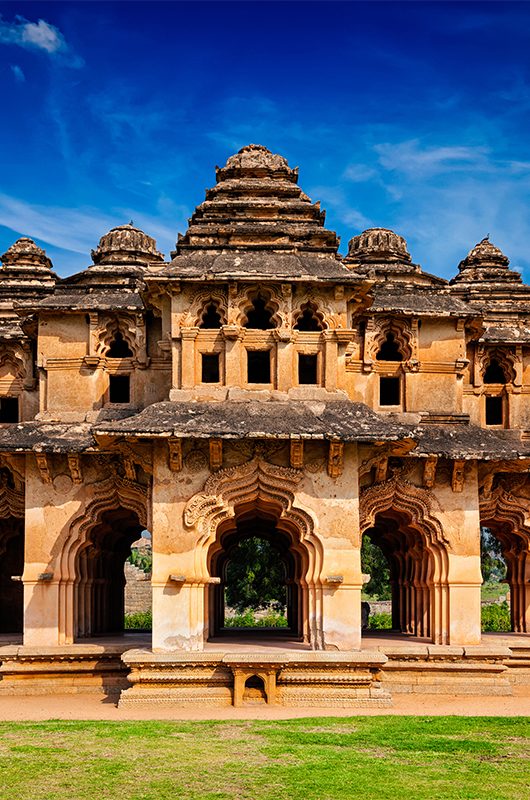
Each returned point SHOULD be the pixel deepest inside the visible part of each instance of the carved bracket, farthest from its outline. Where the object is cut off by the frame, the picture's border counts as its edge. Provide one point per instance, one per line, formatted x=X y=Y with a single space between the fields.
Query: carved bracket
x=335 y=459
x=216 y=454
x=459 y=476
x=44 y=467
x=74 y=465
x=297 y=454
x=175 y=455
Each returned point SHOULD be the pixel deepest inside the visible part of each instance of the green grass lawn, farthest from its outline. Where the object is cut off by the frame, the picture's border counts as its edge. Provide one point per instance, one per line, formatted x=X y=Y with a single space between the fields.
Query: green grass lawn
x=379 y=758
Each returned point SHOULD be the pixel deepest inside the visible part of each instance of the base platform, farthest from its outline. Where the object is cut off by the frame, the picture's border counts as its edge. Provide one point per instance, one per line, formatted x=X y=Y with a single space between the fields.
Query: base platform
x=271 y=672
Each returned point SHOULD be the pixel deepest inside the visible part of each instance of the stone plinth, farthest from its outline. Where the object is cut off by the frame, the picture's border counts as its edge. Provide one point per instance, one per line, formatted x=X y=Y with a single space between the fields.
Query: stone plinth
x=445 y=669
x=287 y=678
x=71 y=669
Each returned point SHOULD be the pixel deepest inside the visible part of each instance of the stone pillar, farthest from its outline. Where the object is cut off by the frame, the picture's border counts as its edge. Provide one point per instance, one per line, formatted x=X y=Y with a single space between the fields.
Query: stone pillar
x=233 y=338
x=338 y=529
x=284 y=363
x=179 y=594
x=331 y=354
x=188 y=336
x=51 y=501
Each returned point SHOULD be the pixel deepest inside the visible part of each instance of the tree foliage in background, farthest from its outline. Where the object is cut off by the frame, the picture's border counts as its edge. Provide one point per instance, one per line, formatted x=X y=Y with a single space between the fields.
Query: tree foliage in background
x=492 y=563
x=255 y=577
x=375 y=564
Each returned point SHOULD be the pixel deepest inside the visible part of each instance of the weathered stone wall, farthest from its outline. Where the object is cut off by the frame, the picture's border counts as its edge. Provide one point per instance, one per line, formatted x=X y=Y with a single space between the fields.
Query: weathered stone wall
x=137 y=589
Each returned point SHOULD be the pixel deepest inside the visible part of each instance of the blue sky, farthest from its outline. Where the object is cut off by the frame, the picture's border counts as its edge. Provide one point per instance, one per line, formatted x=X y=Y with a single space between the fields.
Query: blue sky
x=409 y=115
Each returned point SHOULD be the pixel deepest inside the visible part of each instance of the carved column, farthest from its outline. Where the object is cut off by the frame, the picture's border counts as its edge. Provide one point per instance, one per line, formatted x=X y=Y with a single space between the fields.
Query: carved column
x=188 y=336
x=331 y=354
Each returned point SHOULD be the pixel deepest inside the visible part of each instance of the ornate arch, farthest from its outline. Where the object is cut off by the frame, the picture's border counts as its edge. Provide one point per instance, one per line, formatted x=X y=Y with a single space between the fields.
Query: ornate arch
x=256 y=483
x=108 y=495
x=125 y=325
x=262 y=487
x=418 y=555
x=198 y=304
x=311 y=306
x=506 y=508
x=504 y=357
x=400 y=330
x=273 y=304
x=398 y=495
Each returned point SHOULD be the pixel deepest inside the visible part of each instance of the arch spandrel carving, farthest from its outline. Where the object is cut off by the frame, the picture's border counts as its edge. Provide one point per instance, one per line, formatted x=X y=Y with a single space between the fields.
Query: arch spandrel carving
x=419 y=505
x=377 y=332
x=255 y=484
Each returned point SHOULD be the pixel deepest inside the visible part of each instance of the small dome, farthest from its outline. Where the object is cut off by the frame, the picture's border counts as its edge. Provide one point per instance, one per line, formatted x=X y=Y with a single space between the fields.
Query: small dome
x=126 y=244
x=256 y=157
x=25 y=253
x=378 y=246
x=485 y=254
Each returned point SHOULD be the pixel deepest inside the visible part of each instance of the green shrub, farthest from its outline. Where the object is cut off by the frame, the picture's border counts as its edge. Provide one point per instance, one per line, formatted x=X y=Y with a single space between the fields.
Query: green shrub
x=247 y=620
x=379 y=622
x=142 y=559
x=496 y=617
x=140 y=621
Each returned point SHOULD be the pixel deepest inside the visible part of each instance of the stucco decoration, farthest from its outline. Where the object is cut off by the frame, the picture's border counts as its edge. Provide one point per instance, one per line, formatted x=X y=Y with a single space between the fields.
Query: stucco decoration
x=106 y=332
x=376 y=335
x=418 y=504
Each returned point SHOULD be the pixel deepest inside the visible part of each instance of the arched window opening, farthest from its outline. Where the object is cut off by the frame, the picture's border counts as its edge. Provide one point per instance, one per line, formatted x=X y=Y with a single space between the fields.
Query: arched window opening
x=11 y=569
x=258 y=590
x=308 y=321
x=99 y=592
x=389 y=350
x=259 y=317
x=211 y=317
x=119 y=348
x=494 y=373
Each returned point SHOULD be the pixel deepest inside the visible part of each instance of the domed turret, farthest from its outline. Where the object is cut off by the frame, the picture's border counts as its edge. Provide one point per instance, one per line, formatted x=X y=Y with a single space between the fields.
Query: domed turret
x=254 y=160
x=378 y=246
x=25 y=254
x=126 y=244
x=485 y=254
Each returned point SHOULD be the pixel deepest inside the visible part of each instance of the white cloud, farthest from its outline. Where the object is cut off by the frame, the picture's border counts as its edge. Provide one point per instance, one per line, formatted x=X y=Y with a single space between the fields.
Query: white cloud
x=40 y=35
x=414 y=160
x=18 y=73
x=77 y=230
x=359 y=173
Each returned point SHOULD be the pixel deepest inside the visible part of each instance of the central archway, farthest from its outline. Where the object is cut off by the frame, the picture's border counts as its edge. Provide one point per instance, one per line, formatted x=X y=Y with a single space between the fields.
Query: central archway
x=235 y=496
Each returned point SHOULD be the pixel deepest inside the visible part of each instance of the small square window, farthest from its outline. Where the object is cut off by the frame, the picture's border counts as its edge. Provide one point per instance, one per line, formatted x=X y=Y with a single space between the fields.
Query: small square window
x=119 y=389
x=210 y=368
x=258 y=366
x=307 y=369
x=8 y=409
x=494 y=411
x=389 y=391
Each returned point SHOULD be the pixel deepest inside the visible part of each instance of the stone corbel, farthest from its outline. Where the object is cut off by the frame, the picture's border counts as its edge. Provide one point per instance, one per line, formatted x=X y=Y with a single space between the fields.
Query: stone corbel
x=297 y=454
x=130 y=469
x=460 y=366
x=381 y=469
x=335 y=459
x=175 y=455
x=459 y=476
x=44 y=467
x=412 y=365
x=339 y=292
x=231 y=332
x=216 y=454
x=30 y=381
x=283 y=334
x=74 y=465
x=429 y=472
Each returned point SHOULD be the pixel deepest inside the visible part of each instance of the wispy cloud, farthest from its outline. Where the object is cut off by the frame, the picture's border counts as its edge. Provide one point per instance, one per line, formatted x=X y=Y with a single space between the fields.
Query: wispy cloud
x=77 y=230
x=413 y=159
x=40 y=35
x=18 y=73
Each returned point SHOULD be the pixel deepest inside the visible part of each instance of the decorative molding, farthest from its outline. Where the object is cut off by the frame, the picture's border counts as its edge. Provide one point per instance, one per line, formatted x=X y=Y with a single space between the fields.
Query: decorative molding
x=44 y=467
x=296 y=453
x=74 y=465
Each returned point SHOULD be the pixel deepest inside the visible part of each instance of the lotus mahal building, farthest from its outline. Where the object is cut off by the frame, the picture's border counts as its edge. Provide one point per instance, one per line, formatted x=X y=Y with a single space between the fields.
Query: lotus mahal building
x=258 y=383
